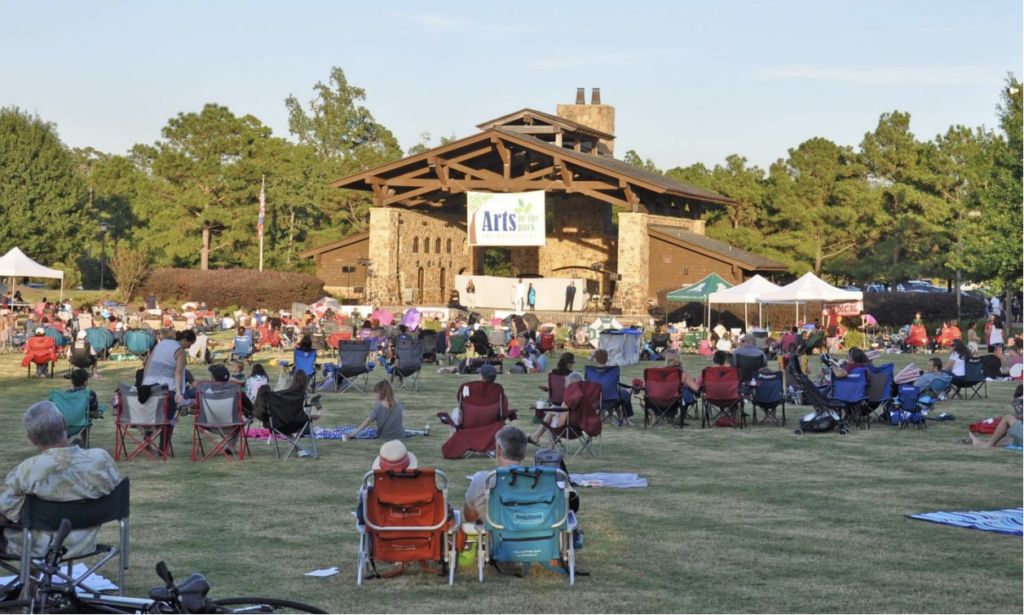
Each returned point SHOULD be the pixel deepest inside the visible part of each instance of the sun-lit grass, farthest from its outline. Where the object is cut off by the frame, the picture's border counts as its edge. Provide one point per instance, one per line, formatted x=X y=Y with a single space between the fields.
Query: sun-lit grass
x=757 y=520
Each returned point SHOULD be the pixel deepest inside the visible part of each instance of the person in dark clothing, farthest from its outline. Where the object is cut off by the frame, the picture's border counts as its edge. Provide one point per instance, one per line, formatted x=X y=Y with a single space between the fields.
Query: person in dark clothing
x=570 y=296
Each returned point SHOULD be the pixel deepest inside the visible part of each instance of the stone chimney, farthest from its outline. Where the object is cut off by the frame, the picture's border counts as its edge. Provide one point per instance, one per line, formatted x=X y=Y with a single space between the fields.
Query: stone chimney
x=595 y=115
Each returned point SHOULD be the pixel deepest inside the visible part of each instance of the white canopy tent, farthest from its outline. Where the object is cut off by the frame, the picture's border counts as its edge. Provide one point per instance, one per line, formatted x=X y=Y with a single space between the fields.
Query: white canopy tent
x=745 y=293
x=810 y=288
x=15 y=264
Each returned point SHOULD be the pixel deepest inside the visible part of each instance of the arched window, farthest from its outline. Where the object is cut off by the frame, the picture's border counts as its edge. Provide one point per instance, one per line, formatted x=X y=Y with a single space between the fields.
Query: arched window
x=426 y=245
x=415 y=245
x=437 y=245
x=448 y=246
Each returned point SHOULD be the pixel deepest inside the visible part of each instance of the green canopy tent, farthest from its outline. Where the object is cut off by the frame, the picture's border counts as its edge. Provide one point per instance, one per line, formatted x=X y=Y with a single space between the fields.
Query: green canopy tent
x=699 y=293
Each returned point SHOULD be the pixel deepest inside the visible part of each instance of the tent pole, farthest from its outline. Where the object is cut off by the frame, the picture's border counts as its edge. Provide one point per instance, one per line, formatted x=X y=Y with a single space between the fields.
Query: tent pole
x=62 y=289
x=746 y=320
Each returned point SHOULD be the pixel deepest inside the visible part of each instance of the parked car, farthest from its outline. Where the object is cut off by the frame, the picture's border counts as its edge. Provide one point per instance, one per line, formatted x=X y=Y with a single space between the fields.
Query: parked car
x=875 y=288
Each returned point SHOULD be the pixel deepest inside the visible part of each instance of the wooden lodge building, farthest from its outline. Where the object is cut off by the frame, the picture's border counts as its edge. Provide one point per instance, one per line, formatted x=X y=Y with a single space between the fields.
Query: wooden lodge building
x=416 y=242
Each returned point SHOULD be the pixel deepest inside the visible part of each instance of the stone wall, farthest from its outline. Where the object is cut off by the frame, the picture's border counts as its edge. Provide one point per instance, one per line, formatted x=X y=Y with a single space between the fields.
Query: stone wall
x=631 y=291
x=600 y=117
x=579 y=238
x=415 y=251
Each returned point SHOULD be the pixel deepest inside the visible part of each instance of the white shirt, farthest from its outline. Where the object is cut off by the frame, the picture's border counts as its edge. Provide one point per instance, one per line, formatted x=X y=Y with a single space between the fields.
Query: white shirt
x=958 y=365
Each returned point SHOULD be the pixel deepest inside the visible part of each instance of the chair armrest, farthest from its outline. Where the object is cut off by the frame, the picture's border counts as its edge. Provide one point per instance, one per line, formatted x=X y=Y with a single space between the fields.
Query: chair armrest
x=447 y=420
x=572 y=520
x=543 y=388
x=510 y=415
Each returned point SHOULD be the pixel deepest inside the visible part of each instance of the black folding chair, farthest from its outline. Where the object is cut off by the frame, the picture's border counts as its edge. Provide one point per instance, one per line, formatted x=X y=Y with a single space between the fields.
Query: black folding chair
x=408 y=363
x=39 y=515
x=973 y=381
x=289 y=419
x=353 y=356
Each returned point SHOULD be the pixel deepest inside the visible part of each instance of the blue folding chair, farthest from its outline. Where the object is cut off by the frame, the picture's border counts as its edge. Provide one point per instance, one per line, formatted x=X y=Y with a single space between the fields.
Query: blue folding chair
x=615 y=397
x=101 y=340
x=850 y=394
x=909 y=409
x=880 y=392
x=528 y=520
x=768 y=396
x=242 y=348
x=304 y=360
x=138 y=343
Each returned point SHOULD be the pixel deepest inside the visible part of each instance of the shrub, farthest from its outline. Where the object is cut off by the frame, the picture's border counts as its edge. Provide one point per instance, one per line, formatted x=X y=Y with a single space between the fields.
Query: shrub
x=72 y=277
x=898 y=309
x=131 y=267
x=222 y=287
x=856 y=339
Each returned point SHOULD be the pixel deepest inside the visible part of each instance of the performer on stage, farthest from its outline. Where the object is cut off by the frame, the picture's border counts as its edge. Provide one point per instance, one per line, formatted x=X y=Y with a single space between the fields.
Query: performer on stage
x=570 y=296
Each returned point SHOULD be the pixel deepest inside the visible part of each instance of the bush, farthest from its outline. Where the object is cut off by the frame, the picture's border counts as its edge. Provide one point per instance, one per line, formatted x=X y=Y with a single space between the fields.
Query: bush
x=856 y=339
x=222 y=287
x=72 y=277
x=898 y=309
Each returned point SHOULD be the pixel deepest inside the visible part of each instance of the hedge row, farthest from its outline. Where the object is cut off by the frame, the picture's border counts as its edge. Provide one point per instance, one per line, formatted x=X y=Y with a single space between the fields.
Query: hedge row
x=243 y=287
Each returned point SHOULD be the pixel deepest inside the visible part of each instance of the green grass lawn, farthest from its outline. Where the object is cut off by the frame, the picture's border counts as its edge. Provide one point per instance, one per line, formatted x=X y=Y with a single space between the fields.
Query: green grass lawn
x=758 y=520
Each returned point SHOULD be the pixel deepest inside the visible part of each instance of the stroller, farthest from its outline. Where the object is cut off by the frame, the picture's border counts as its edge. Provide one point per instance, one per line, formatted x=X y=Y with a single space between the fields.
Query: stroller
x=827 y=414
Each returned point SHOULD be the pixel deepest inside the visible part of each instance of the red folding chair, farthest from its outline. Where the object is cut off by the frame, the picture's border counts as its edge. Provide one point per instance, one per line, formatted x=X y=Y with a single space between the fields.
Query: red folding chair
x=583 y=418
x=555 y=390
x=485 y=409
x=721 y=386
x=661 y=395
x=546 y=344
x=40 y=351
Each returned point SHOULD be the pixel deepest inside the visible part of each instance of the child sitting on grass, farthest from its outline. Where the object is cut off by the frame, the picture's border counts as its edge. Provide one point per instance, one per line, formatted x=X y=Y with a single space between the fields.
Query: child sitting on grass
x=387 y=412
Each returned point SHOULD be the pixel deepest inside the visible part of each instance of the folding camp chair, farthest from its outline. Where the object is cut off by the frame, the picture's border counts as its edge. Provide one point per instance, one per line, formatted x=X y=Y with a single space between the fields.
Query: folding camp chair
x=484 y=408
x=528 y=520
x=101 y=340
x=353 y=357
x=288 y=417
x=60 y=341
x=661 y=395
x=306 y=361
x=150 y=418
x=546 y=343
x=851 y=393
x=428 y=338
x=973 y=381
x=332 y=342
x=74 y=405
x=721 y=386
x=241 y=349
x=406 y=518
x=613 y=402
x=40 y=353
x=409 y=360
x=748 y=366
x=555 y=390
x=39 y=515
x=909 y=410
x=581 y=418
x=219 y=420
x=139 y=342
x=457 y=344
x=768 y=395
x=880 y=392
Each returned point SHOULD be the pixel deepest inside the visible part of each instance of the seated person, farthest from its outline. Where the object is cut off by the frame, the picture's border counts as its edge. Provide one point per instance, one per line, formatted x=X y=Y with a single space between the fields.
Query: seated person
x=555 y=418
x=59 y=473
x=82 y=354
x=1013 y=357
x=955 y=366
x=242 y=340
x=40 y=349
x=238 y=372
x=674 y=359
x=992 y=364
x=601 y=360
x=487 y=374
x=79 y=378
x=934 y=380
x=393 y=456
x=1007 y=432
x=565 y=364
x=387 y=412
x=748 y=348
x=219 y=373
x=510 y=450
x=856 y=359
x=529 y=363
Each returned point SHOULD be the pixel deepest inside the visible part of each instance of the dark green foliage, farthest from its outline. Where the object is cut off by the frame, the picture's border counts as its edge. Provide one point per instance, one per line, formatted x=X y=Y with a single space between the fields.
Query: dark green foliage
x=898 y=309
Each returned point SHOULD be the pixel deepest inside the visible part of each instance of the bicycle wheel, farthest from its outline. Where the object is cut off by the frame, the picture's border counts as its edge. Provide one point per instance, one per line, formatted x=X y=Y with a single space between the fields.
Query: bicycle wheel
x=261 y=605
x=15 y=606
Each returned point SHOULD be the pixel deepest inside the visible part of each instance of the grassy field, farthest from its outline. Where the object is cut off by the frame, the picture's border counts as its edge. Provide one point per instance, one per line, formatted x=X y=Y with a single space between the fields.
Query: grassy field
x=758 y=520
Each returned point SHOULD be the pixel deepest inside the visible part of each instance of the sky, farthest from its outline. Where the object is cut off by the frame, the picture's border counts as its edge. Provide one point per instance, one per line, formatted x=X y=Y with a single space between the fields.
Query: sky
x=691 y=82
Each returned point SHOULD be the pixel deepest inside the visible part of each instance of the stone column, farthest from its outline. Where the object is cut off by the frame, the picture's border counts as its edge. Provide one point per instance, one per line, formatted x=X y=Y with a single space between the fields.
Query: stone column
x=383 y=287
x=631 y=292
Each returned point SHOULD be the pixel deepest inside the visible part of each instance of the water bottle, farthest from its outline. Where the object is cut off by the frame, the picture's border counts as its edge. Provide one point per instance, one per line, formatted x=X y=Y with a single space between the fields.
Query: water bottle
x=426 y=430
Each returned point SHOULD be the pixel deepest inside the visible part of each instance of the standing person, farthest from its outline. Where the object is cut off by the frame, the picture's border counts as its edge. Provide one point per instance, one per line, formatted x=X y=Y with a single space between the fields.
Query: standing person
x=995 y=334
x=165 y=366
x=570 y=296
x=531 y=297
x=470 y=294
x=387 y=412
x=520 y=295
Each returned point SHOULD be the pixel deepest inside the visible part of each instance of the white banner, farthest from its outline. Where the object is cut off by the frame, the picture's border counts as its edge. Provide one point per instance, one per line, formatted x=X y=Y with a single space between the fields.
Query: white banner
x=505 y=218
x=853 y=308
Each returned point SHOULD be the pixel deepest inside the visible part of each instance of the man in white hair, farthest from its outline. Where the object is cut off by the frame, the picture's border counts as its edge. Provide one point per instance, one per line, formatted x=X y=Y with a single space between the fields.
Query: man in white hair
x=59 y=473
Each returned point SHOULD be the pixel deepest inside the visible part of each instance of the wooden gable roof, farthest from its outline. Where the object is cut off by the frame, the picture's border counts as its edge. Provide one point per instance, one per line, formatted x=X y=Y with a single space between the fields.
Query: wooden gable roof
x=531 y=117
x=715 y=249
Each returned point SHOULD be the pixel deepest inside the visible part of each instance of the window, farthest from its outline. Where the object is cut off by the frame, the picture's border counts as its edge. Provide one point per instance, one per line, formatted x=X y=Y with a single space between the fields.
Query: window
x=448 y=246
x=415 y=245
x=437 y=245
x=426 y=245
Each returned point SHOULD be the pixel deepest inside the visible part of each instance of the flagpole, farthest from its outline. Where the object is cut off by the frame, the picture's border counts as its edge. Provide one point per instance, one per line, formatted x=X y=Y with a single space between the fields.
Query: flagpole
x=263 y=188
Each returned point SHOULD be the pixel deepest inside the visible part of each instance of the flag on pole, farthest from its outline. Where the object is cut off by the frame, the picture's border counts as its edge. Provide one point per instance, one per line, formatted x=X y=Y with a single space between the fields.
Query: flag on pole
x=263 y=209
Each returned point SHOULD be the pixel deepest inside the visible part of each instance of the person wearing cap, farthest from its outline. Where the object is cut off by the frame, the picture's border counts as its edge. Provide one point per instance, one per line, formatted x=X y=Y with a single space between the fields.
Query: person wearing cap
x=748 y=348
x=40 y=348
x=79 y=378
x=82 y=354
x=509 y=450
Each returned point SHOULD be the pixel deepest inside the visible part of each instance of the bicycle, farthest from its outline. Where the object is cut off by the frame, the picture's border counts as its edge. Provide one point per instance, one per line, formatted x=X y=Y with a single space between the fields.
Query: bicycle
x=187 y=597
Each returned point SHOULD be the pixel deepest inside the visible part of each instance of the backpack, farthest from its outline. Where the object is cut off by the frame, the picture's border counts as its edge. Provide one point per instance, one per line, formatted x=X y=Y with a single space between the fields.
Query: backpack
x=552 y=458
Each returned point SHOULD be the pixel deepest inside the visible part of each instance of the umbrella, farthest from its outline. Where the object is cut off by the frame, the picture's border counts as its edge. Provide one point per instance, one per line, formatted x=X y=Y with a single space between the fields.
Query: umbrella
x=411 y=319
x=384 y=317
x=599 y=325
x=190 y=304
x=327 y=303
x=531 y=321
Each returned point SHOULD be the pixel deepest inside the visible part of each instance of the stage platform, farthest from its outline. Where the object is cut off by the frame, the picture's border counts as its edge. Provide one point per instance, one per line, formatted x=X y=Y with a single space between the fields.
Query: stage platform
x=558 y=317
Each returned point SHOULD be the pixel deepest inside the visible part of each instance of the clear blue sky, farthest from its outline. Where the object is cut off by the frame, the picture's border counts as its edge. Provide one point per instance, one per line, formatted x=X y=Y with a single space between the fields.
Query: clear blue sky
x=691 y=82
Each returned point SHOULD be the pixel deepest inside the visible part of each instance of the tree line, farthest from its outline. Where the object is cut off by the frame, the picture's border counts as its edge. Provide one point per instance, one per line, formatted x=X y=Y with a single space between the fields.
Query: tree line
x=894 y=208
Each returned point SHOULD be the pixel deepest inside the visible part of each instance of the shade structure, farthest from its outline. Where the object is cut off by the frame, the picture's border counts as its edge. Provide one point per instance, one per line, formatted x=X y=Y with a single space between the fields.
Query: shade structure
x=15 y=264
x=745 y=293
x=700 y=290
x=601 y=324
x=810 y=288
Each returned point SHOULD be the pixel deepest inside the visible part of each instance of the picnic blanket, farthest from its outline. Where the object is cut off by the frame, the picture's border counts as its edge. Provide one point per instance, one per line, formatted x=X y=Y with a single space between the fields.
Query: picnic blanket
x=1007 y=521
x=607 y=479
x=326 y=433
